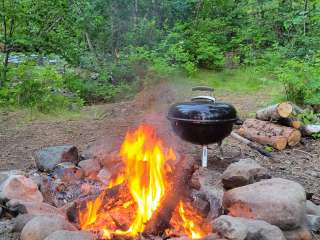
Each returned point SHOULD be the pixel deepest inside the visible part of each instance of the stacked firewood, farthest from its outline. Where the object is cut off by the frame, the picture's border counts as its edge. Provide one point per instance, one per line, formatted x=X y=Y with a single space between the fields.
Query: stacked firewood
x=275 y=126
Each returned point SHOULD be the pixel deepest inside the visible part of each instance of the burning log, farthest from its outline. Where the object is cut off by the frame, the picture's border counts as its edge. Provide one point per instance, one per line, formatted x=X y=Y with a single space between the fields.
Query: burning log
x=267 y=133
x=275 y=112
x=160 y=220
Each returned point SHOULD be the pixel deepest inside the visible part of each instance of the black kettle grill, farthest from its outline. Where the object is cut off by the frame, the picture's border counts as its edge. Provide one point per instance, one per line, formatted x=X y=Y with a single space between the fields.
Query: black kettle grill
x=202 y=121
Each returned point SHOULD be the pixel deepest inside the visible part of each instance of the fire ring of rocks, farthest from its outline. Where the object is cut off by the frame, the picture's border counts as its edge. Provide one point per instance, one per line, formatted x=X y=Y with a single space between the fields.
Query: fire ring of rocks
x=147 y=190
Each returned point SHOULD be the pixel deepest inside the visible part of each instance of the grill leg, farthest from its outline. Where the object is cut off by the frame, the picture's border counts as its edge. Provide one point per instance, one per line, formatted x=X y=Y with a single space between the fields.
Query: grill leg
x=204 y=158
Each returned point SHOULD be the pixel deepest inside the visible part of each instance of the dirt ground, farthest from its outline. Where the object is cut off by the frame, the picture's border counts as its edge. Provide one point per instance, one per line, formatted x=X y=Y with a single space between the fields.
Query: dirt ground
x=108 y=123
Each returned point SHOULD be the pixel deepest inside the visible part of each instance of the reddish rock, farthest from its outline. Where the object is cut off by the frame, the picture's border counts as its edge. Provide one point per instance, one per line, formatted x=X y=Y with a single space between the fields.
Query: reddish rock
x=68 y=172
x=90 y=167
x=21 y=188
x=104 y=176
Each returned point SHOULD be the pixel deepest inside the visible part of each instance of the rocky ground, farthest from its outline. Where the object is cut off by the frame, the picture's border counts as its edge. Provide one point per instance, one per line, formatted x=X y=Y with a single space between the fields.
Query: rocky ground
x=105 y=125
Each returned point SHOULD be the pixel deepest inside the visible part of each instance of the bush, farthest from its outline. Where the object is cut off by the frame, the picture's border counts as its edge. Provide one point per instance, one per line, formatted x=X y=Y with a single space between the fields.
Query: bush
x=301 y=81
x=39 y=88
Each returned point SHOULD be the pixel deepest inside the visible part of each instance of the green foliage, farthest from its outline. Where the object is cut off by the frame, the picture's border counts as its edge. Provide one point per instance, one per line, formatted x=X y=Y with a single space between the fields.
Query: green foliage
x=309 y=117
x=99 y=90
x=301 y=80
x=39 y=88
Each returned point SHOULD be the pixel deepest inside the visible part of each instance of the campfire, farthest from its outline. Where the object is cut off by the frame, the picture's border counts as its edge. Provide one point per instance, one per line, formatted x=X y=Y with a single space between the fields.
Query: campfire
x=138 y=199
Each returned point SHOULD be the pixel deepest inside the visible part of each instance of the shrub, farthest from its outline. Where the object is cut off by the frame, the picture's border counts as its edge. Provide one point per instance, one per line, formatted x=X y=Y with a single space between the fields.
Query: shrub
x=39 y=88
x=301 y=81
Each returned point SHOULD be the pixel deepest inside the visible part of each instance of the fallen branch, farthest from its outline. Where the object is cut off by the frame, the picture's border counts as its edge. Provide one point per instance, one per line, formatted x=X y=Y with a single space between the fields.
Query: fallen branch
x=250 y=144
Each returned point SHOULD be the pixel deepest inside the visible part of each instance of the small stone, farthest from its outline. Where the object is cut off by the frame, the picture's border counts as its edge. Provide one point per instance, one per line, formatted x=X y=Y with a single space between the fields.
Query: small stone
x=70 y=235
x=105 y=151
x=279 y=202
x=313 y=223
x=301 y=233
x=68 y=172
x=312 y=209
x=91 y=167
x=21 y=188
x=48 y=158
x=20 y=221
x=104 y=176
x=230 y=228
x=41 y=227
x=242 y=173
x=255 y=229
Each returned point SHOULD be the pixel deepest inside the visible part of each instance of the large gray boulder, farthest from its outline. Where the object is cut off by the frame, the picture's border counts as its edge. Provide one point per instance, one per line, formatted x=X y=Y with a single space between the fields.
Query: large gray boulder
x=70 y=235
x=47 y=158
x=20 y=188
x=41 y=227
x=240 y=228
x=242 y=173
x=277 y=201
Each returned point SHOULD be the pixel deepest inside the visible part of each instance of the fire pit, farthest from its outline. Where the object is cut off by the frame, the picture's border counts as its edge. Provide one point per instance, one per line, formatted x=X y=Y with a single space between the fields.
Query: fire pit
x=148 y=196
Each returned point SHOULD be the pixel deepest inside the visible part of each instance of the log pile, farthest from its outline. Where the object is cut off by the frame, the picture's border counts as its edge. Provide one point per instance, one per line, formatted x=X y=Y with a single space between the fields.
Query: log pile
x=276 y=126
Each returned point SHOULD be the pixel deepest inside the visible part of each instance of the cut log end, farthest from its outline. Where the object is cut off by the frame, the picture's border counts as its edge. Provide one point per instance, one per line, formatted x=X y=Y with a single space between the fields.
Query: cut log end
x=280 y=143
x=294 y=138
x=285 y=109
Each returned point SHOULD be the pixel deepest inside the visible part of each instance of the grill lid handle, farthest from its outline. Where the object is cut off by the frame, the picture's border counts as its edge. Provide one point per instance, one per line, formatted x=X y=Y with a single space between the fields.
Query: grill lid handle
x=206 y=98
x=203 y=88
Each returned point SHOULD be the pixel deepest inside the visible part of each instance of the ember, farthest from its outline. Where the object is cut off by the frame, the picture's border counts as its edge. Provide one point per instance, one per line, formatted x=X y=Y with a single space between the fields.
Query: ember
x=145 y=180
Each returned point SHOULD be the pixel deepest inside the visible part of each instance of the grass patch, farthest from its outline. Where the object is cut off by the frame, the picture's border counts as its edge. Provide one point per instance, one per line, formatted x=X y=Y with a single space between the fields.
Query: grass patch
x=238 y=80
x=241 y=80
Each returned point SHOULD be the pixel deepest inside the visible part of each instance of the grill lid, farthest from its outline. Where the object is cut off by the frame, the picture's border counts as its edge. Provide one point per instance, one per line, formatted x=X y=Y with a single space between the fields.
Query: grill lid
x=203 y=111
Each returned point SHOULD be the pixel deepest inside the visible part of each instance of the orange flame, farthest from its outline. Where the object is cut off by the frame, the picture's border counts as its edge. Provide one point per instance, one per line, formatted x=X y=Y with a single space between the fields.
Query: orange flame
x=144 y=157
x=146 y=166
x=191 y=228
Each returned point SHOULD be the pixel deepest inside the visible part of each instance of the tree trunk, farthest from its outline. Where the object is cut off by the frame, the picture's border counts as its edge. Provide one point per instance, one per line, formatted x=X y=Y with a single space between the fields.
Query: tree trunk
x=305 y=17
x=136 y=11
x=275 y=112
